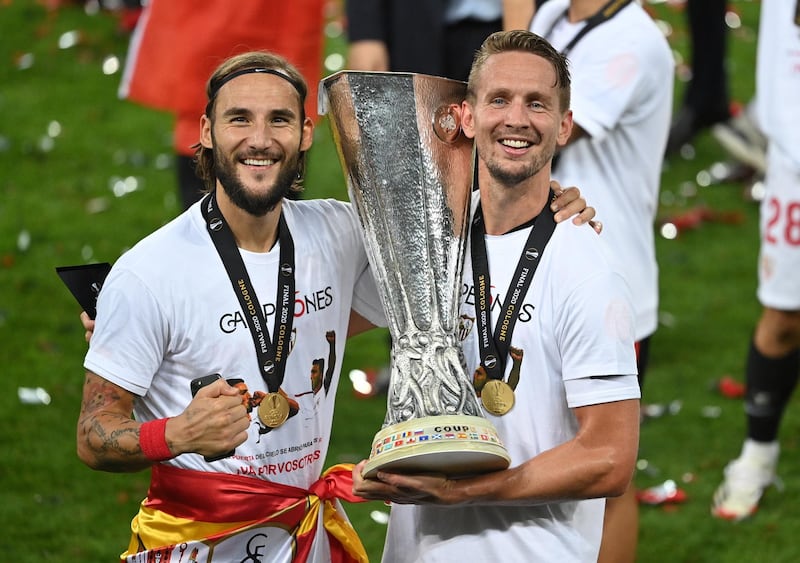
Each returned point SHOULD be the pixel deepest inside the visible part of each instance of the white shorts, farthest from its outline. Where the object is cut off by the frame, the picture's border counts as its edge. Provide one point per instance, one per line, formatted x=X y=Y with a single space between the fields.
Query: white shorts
x=779 y=258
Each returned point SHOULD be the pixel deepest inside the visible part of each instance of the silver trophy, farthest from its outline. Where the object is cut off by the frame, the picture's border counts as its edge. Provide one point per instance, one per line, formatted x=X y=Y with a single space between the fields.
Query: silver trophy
x=409 y=174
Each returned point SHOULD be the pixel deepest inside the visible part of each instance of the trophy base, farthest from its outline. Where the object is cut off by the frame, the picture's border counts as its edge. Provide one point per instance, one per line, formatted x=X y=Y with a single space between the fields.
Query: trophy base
x=454 y=445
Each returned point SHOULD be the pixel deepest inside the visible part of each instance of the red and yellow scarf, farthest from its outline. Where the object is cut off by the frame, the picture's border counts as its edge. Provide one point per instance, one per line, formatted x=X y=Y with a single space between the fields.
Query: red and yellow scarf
x=184 y=505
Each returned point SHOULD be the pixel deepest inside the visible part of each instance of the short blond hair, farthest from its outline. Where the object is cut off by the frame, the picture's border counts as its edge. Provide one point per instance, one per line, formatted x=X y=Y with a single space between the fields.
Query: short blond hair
x=526 y=42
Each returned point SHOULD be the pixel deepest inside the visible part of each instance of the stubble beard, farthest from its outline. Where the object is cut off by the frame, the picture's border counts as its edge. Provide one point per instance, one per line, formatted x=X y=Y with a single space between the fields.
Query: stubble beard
x=510 y=178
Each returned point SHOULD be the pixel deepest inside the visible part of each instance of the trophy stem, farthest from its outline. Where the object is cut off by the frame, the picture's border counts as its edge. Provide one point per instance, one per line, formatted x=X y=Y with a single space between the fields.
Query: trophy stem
x=428 y=379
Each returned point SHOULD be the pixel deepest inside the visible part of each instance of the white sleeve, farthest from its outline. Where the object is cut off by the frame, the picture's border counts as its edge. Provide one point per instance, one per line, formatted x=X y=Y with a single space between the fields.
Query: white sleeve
x=130 y=336
x=366 y=298
x=603 y=86
x=596 y=390
x=596 y=339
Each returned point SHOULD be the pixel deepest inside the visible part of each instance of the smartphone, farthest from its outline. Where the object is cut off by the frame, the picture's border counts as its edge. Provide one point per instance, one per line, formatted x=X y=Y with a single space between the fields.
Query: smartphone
x=195 y=386
x=201 y=382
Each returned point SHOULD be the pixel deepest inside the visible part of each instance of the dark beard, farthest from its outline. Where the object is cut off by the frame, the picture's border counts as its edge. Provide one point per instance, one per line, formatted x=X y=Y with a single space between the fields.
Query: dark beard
x=258 y=204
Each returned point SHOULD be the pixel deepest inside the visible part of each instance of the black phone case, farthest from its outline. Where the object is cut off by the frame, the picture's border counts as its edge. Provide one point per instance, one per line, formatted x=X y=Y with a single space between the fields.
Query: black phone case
x=195 y=386
x=201 y=382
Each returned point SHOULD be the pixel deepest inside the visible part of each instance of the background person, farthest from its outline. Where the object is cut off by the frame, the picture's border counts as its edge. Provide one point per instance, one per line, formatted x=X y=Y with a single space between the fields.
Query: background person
x=773 y=359
x=706 y=98
x=622 y=81
x=435 y=37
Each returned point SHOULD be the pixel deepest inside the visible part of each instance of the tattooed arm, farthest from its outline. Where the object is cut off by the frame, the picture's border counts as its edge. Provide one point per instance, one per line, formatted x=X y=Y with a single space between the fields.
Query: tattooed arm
x=108 y=438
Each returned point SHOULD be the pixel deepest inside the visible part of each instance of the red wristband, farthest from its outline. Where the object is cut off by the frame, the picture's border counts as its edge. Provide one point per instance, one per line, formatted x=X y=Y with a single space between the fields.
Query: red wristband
x=153 y=440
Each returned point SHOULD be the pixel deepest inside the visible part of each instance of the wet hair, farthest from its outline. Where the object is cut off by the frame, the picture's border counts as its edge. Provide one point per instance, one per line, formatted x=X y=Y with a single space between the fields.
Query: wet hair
x=526 y=42
x=261 y=62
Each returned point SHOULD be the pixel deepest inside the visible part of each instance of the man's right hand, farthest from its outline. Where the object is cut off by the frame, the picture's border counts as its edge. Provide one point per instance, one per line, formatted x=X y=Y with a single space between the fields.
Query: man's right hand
x=215 y=422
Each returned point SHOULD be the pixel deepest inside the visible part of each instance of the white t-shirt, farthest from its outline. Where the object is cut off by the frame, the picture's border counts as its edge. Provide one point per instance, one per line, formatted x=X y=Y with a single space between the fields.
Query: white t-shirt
x=778 y=77
x=575 y=324
x=777 y=87
x=167 y=314
x=622 y=77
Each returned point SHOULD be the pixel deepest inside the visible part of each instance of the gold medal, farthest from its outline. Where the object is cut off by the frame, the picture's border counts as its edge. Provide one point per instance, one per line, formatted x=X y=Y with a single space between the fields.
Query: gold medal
x=273 y=410
x=497 y=397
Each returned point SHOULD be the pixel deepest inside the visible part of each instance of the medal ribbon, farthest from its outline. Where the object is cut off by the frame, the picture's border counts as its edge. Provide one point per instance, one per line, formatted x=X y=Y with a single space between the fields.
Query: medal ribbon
x=494 y=347
x=611 y=9
x=271 y=359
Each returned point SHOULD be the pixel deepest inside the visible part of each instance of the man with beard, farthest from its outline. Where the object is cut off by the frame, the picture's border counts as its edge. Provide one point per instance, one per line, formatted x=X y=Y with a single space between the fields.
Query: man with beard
x=570 y=417
x=210 y=297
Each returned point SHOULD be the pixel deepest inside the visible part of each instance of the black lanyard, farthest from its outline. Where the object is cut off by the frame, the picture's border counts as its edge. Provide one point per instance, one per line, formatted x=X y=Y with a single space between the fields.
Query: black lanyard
x=611 y=9
x=494 y=347
x=271 y=359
